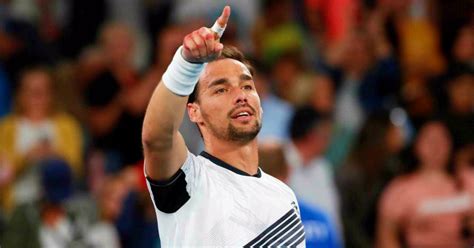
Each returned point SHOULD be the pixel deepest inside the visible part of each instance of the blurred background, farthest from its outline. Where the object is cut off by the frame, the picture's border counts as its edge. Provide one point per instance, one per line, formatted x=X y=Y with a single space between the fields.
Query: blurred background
x=368 y=115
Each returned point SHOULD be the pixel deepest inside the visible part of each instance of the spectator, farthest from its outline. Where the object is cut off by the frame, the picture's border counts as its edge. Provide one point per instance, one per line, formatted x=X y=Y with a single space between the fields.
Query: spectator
x=136 y=221
x=367 y=81
x=51 y=222
x=132 y=13
x=460 y=115
x=319 y=230
x=115 y=113
x=276 y=112
x=47 y=16
x=323 y=101
x=451 y=17
x=110 y=200
x=372 y=163
x=311 y=174
x=38 y=129
x=286 y=70
x=424 y=208
x=367 y=76
x=463 y=51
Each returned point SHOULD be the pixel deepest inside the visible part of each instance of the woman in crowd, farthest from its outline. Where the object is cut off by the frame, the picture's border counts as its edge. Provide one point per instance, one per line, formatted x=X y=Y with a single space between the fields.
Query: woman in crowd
x=424 y=208
x=37 y=129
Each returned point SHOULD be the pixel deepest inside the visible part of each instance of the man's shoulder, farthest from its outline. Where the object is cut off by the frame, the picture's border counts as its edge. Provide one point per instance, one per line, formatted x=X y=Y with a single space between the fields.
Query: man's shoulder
x=277 y=182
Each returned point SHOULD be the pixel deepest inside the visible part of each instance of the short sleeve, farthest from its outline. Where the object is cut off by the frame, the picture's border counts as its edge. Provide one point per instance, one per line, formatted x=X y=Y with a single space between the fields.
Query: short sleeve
x=171 y=194
x=193 y=169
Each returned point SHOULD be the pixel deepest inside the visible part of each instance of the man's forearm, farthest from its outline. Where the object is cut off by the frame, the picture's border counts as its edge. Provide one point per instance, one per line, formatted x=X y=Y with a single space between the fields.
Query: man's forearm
x=162 y=119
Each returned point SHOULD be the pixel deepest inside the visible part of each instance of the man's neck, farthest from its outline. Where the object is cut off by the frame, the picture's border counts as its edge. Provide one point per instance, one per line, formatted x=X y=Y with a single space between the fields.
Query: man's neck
x=241 y=156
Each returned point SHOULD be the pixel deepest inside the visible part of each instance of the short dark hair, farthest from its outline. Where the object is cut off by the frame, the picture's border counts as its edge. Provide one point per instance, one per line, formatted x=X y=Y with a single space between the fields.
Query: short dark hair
x=304 y=120
x=228 y=52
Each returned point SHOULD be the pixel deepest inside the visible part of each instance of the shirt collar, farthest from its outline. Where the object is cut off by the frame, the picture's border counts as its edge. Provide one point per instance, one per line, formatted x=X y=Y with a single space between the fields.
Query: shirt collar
x=228 y=166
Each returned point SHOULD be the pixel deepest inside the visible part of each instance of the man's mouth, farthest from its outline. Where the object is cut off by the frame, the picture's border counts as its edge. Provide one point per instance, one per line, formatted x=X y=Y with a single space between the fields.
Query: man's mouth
x=242 y=114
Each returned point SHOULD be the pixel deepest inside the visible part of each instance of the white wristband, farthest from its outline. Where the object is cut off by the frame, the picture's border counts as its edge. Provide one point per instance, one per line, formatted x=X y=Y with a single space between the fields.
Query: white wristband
x=218 y=29
x=182 y=76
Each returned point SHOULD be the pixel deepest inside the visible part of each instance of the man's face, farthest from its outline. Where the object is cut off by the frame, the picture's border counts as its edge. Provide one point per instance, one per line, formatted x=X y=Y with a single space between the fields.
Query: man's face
x=228 y=106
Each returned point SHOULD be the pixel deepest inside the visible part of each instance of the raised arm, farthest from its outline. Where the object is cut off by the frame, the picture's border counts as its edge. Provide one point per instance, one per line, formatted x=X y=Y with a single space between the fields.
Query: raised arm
x=164 y=147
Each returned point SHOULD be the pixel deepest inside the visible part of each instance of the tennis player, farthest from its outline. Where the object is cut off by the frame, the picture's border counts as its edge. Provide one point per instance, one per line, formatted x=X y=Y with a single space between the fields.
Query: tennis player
x=221 y=197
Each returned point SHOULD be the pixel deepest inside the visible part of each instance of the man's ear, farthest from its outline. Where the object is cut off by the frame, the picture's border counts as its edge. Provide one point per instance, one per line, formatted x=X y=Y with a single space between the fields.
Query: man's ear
x=194 y=112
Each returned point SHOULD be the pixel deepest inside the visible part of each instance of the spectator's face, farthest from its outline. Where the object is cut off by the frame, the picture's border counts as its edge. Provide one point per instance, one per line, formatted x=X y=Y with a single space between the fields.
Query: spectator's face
x=323 y=95
x=433 y=146
x=463 y=49
x=461 y=94
x=36 y=93
x=228 y=106
x=118 y=44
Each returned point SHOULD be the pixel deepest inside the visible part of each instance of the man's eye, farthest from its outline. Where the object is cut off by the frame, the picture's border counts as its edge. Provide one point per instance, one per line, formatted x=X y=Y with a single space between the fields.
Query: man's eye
x=220 y=91
x=248 y=87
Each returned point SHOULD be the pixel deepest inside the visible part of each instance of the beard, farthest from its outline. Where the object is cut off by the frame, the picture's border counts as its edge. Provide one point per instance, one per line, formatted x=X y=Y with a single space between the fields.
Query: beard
x=241 y=135
x=232 y=133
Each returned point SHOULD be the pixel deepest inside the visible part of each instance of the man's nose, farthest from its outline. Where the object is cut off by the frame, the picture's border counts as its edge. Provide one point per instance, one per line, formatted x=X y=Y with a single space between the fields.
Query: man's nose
x=240 y=97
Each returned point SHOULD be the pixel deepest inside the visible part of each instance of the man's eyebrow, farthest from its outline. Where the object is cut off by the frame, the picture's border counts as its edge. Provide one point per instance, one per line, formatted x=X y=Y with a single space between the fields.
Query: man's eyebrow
x=218 y=82
x=245 y=77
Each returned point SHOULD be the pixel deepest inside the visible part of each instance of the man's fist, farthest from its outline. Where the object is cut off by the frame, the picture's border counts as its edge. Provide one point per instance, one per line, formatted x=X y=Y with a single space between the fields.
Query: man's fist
x=203 y=45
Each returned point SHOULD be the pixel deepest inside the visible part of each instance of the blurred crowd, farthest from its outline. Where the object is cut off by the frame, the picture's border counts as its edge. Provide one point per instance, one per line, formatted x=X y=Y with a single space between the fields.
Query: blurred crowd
x=368 y=115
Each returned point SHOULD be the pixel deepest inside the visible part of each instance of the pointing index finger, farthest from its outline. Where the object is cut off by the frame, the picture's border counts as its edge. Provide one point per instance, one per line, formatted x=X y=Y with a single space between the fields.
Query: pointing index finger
x=224 y=18
x=219 y=26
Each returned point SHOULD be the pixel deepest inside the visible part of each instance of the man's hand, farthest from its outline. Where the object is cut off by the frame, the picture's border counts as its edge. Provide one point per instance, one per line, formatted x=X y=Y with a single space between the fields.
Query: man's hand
x=203 y=45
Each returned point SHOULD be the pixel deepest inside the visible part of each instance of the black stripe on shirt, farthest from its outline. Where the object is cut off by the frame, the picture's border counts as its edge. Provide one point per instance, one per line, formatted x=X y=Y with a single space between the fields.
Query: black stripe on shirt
x=290 y=222
x=278 y=231
x=295 y=240
x=284 y=235
x=270 y=228
x=295 y=231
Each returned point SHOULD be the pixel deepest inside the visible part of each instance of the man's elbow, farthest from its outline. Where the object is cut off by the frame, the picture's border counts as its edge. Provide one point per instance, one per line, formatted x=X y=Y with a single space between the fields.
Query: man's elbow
x=157 y=143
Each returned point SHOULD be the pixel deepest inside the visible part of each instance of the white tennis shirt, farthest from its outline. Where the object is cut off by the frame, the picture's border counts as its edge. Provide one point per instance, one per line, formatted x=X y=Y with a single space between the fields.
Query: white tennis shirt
x=211 y=203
